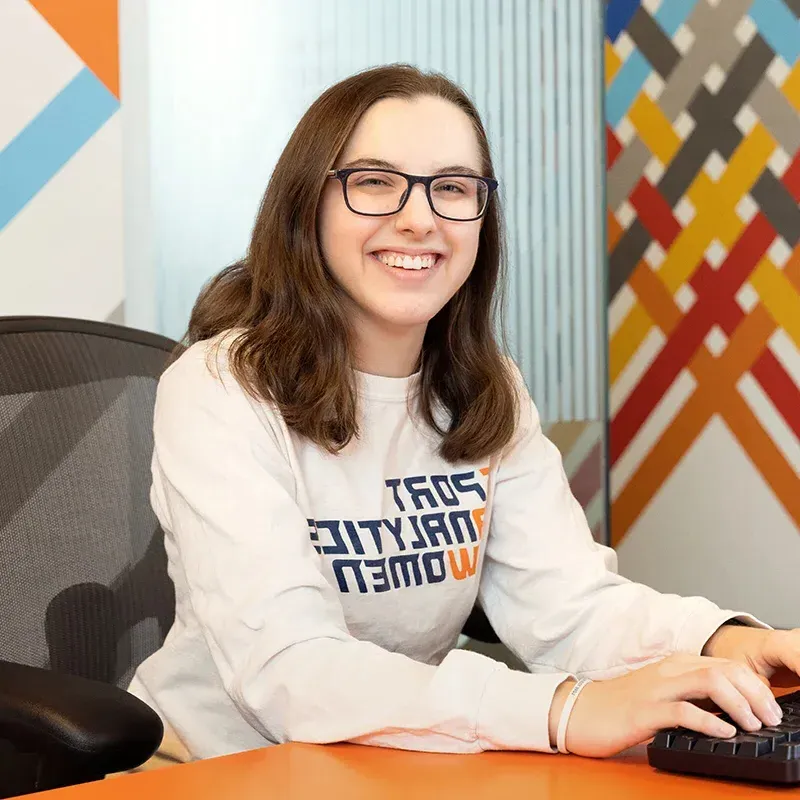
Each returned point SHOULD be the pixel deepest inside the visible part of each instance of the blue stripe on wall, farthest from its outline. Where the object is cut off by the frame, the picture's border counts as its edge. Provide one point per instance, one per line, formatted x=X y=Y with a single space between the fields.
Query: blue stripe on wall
x=625 y=87
x=618 y=15
x=43 y=146
x=779 y=27
x=673 y=13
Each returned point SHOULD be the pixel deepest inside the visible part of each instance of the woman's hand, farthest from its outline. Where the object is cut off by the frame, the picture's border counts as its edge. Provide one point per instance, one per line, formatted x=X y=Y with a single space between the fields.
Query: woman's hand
x=764 y=651
x=610 y=716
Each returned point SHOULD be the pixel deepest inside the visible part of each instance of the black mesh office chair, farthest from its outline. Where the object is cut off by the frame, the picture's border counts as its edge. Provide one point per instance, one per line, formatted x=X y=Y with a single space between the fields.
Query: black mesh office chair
x=85 y=592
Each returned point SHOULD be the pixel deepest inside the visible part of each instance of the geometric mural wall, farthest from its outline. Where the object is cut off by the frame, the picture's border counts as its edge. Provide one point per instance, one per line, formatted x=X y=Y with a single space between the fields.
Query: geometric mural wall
x=703 y=145
x=61 y=188
x=60 y=158
x=582 y=449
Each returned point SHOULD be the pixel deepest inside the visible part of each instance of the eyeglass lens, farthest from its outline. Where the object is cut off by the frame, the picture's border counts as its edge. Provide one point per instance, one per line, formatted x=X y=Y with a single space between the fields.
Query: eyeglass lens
x=460 y=197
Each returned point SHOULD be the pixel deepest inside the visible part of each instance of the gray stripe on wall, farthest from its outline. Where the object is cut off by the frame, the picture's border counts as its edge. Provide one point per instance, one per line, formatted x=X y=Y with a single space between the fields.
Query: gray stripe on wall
x=117 y=316
x=528 y=68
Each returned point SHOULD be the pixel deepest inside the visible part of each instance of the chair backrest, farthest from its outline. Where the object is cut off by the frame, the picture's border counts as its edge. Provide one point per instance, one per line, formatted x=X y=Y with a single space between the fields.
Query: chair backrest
x=83 y=577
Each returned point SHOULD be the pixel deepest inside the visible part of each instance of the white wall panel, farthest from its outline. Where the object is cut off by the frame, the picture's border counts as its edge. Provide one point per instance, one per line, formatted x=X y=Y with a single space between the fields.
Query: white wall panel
x=232 y=81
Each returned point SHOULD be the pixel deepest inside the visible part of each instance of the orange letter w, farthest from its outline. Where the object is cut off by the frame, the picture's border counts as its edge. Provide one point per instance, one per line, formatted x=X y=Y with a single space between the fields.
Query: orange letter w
x=467 y=566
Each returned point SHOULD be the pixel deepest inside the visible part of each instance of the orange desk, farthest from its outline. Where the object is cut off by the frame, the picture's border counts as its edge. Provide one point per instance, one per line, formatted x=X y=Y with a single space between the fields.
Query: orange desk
x=297 y=771
x=350 y=772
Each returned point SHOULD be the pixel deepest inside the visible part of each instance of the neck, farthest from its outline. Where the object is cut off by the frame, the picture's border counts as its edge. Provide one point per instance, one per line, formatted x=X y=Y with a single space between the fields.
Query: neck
x=391 y=352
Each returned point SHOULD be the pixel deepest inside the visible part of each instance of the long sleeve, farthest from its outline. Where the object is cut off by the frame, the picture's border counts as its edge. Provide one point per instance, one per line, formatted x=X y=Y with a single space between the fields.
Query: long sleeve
x=553 y=595
x=225 y=492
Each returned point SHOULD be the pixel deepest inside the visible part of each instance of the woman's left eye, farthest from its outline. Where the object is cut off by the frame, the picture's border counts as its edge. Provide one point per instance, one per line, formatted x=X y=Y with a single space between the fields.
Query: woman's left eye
x=450 y=187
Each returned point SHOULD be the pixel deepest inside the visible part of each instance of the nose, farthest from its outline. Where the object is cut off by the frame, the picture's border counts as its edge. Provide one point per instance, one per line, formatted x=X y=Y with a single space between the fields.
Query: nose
x=416 y=216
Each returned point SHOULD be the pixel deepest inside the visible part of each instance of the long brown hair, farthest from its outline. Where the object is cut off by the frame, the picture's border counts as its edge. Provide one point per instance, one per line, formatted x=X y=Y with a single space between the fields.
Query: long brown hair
x=294 y=346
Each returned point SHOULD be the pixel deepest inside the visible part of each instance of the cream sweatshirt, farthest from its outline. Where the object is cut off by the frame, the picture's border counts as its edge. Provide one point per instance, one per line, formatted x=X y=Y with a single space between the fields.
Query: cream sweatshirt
x=320 y=597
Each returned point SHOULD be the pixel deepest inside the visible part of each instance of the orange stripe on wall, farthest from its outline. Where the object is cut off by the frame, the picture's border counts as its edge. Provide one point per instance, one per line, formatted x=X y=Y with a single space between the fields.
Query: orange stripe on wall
x=90 y=28
x=716 y=393
x=656 y=467
x=655 y=298
x=614 y=229
x=744 y=348
x=763 y=452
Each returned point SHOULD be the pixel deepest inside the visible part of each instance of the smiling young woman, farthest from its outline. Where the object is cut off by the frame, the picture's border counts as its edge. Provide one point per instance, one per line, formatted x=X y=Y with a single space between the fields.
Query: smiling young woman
x=345 y=461
x=320 y=292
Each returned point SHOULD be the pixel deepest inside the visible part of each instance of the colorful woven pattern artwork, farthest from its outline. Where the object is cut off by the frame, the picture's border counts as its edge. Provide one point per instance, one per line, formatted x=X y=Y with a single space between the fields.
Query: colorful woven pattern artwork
x=65 y=121
x=703 y=142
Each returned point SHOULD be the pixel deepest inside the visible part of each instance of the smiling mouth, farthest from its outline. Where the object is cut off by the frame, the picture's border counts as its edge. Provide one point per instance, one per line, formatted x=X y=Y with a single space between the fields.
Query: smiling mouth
x=406 y=261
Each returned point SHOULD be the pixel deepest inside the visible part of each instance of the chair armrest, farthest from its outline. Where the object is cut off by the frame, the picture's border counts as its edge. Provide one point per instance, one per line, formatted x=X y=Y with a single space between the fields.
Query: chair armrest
x=96 y=725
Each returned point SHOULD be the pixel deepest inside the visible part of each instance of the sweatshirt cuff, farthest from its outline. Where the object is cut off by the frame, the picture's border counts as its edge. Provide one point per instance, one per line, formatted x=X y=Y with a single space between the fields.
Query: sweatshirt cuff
x=702 y=625
x=514 y=712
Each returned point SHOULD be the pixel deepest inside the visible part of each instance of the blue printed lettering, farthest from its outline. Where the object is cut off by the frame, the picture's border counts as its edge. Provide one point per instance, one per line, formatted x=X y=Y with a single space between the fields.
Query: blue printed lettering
x=461 y=482
x=374 y=527
x=379 y=565
x=338 y=548
x=419 y=492
x=433 y=564
x=434 y=524
x=444 y=489
x=312 y=532
x=463 y=518
x=408 y=565
x=354 y=538
x=395 y=529
x=393 y=483
x=419 y=543
x=339 y=565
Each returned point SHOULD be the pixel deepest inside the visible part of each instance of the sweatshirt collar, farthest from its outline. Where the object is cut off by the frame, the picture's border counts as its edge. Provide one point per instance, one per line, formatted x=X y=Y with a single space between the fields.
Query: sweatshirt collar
x=378 y=387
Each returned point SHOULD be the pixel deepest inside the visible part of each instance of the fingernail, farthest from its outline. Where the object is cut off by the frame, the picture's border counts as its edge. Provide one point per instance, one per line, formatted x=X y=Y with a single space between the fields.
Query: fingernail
x=778 y=711
x=754 y=721
x=725 y=731
x=774 y=718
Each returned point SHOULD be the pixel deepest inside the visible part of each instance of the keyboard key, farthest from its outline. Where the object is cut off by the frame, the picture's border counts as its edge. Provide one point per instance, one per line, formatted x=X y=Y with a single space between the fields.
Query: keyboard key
x=685 y=741
x=726 y=747
x=787 y=752
x=664 y=738
x=706 y=745
x=776 y=735
x=753 y=746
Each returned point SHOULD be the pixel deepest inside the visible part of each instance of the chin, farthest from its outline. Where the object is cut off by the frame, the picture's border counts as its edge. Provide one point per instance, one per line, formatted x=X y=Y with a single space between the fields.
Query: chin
x=405 y=319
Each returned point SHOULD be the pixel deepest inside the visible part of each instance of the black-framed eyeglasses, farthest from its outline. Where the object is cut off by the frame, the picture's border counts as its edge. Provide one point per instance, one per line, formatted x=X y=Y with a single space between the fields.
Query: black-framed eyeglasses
x=383 y=192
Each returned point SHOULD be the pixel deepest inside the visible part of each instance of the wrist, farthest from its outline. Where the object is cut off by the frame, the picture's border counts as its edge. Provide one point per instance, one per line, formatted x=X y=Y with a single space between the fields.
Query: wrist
x=557 y=707
x=727 y=640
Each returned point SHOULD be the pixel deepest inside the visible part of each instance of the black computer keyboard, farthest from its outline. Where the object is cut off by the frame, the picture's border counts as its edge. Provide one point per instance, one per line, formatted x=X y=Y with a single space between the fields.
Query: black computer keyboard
x=770 y=754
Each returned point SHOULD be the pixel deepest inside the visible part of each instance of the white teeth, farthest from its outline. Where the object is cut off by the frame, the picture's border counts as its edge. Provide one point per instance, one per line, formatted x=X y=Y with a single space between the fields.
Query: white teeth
x=406 y=261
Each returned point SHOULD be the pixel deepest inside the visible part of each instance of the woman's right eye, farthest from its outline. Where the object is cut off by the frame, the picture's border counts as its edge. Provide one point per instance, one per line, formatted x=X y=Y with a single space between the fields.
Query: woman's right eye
x=371 y=180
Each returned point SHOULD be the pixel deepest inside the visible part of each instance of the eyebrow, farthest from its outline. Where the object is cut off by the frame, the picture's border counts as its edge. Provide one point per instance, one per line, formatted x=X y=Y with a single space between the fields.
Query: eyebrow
x=377 y=163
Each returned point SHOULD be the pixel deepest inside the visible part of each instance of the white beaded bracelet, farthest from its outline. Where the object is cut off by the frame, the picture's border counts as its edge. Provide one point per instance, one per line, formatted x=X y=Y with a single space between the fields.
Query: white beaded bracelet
x=561 y=735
